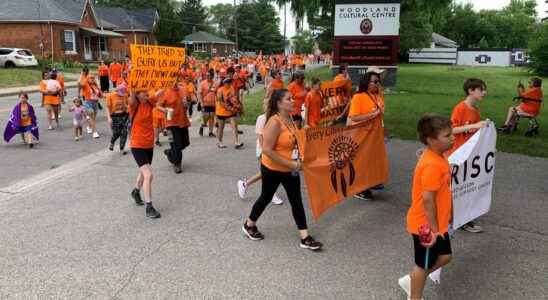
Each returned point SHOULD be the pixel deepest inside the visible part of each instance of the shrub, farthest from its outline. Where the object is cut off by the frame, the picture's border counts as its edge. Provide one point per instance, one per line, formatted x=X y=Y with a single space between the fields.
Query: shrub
x=538 y=50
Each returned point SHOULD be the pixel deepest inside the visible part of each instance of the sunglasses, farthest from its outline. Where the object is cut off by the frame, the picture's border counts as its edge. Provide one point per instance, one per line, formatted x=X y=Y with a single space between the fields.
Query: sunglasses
x=375 y=81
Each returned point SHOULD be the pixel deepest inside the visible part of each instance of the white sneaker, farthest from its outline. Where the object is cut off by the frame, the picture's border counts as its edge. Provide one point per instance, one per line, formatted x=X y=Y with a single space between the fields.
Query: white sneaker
x=276 y=200
x=472 y=227
x=95 y=135
x=88 y=129
x=50 y=128
x=76 y=138
x=405 y=284
x=242 y=188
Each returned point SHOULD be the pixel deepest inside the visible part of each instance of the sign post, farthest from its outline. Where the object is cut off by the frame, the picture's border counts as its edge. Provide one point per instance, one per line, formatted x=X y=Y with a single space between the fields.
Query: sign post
x=367 y=34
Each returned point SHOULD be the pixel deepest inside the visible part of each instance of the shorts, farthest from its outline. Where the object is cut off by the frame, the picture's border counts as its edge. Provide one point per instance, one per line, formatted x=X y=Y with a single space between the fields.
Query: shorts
x=441 y=247
x=26 y=129
x=297 y=118
x=52 y=106
x=91 y=106
x=208 y=109
x=142 y=156
x=78 y=123
x=224 y=118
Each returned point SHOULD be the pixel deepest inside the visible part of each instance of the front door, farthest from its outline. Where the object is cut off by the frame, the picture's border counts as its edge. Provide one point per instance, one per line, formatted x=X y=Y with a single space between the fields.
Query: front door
x=87 y=48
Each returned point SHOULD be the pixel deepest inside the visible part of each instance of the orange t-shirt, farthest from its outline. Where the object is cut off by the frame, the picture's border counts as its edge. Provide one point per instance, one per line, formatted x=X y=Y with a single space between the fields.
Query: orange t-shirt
x=223 y=93
x=208 y=97
x=61 y=80
x=142 y=130
x=173 y=98
x=158 y=118
x=532 y=107
x=433 y=174
x=361 y=104
x=85 y=87
x=116 y=103
x=277 y=84
x=115 y=71
x=48 y=99
x=103 y=70
x=299 y=94
x=463 y=115
x=313 y=104
x=25 y=115
x=285 y=144
x=190 y=90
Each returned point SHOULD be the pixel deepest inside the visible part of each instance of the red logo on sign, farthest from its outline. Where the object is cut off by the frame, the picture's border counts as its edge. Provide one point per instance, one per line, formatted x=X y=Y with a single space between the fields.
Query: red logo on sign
x=366 y=26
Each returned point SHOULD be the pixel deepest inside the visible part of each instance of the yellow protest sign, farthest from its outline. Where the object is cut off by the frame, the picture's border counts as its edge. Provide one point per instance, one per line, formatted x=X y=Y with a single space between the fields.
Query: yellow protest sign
x=154 y=67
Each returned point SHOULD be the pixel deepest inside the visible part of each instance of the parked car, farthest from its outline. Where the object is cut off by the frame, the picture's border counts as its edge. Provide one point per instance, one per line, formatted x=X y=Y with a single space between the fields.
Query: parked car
x=16 y=57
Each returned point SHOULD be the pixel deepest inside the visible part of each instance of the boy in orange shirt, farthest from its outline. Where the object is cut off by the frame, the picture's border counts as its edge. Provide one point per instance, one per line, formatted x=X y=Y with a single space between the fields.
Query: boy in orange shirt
x=430 y=205
x=466 y=121
x=313 y=104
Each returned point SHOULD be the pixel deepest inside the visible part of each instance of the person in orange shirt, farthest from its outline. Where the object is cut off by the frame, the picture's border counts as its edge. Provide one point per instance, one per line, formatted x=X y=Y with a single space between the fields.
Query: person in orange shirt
x=103 y=77
x=51 y=90
x=142 y=148
x=91 y=95
x=430 y=205
x=159 y=123
x=190 y=92
x=298 y=91
x=115 y=71
x=173 y=102
x=530 y=106
x=208 y=93
x=118 y=116
x=276 y=83
x=280 y=164
x=313 y=104
x=226 y=108
x=343 y=76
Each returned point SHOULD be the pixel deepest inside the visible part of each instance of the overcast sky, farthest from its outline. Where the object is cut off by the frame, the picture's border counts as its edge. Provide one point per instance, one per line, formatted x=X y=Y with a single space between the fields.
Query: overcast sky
x=478 y=4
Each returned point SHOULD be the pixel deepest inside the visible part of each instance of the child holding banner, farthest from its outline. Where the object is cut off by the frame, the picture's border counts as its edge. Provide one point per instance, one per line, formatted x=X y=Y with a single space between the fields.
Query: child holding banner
x=466 y=121
x=280 y=165
x=431 y=205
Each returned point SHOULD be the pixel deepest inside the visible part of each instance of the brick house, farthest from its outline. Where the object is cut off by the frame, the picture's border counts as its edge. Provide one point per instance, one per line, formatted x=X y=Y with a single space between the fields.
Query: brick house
x=207 y=43
x=74 y=29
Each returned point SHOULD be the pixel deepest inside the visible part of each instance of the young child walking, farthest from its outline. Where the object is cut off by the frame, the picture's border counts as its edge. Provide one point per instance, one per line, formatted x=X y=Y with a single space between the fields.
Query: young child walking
x=429 y=216
x=78 y=117
x=22 y=121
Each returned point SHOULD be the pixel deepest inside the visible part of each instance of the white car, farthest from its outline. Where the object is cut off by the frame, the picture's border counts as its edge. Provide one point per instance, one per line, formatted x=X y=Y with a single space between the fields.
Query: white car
x=16 y=57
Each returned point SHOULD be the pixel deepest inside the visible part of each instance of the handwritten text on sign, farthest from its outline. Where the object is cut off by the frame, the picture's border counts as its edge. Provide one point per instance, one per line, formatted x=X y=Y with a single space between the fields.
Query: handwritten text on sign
x=154 y=67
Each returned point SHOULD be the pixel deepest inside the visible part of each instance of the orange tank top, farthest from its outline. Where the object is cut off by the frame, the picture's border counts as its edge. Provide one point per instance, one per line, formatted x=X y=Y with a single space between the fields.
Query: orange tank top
x=284 y=146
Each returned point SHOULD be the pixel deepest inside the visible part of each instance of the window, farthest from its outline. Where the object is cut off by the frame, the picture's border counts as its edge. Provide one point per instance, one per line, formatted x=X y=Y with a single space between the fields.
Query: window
x=5 y=51
x=70 y=41
x=200 y=47
x=24 y=52
x=103 y=44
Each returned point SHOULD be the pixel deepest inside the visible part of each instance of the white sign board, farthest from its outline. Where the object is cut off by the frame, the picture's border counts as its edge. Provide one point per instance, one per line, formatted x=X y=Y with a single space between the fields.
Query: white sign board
x=484 y=58
x=472 y=176
x=377 y=19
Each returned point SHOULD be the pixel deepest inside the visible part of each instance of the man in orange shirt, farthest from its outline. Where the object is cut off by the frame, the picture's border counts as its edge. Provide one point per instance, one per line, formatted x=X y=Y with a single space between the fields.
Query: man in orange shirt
x=466 y=121
x=173 y=102
x=142 y=148
x=103 y=77
x=313 y=104
x=115 y=71
x=530 y=106
x=298 y=92
x=429 y=216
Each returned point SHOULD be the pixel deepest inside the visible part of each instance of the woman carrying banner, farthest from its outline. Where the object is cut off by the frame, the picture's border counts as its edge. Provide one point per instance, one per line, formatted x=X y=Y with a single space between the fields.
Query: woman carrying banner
x=280 y=165
x=367 y=104
x=173 y=103
x=142 y=148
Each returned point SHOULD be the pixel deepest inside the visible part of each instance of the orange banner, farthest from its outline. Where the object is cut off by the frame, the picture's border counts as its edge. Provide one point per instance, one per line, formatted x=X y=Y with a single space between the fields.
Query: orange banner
x=335 y=96
x=154 y=67
x=342 y=161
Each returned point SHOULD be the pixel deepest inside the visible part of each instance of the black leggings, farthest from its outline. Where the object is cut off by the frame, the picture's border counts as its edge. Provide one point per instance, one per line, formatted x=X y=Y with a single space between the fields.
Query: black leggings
x=119 y=128
x=292 y=185
x=178 y=144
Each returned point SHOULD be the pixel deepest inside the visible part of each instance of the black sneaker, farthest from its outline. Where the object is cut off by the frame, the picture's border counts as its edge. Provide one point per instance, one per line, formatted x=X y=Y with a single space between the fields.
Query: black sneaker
x=178 y=168
x=31 y=145
x=365 y=195
x=240 y=132
x=111 y=147
x=211 y=134
x=252 y=232
x=310 y=243
x=137 y=197
x=152 y=213
x=201 y=131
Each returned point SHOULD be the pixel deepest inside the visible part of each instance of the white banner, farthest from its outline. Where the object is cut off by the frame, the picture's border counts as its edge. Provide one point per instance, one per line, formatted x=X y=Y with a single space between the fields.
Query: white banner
x=367 y=19
x=473 y=170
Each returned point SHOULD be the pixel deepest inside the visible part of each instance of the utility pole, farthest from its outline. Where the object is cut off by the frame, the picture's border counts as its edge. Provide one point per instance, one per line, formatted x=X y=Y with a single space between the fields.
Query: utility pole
x=285 y=27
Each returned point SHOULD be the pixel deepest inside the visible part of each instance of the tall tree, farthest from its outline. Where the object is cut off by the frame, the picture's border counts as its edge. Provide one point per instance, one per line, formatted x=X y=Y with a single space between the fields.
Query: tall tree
x=194 y=17
x=221 y=16
x=304 y=42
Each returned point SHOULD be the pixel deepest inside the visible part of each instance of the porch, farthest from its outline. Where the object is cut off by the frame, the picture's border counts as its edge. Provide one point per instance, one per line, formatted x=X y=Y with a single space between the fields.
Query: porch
x=99 y=44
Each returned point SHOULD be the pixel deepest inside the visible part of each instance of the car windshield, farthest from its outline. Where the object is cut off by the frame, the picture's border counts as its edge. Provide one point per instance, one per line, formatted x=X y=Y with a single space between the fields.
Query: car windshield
x=24 y=52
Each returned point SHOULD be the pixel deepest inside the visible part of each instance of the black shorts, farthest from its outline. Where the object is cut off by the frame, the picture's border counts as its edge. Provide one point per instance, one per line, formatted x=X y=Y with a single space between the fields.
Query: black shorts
x=441 y=247
x=142 y=156
x=297 y=118
x=208 y=109
x=224 y=118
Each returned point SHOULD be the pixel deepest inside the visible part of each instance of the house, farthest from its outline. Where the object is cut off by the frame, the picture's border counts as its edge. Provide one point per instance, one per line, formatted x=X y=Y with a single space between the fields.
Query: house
x=207 y=43
x=74 y=29
x=442 y=51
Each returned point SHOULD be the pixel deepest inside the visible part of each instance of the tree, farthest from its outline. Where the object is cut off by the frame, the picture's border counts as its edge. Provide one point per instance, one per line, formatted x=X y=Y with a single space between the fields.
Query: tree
x=194 y=17
x=304 y=42
x=221 y=16
x=538 y=50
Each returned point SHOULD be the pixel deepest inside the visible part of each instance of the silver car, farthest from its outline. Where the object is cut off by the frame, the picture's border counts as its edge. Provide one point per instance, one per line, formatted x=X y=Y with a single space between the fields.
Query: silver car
x=17 y=57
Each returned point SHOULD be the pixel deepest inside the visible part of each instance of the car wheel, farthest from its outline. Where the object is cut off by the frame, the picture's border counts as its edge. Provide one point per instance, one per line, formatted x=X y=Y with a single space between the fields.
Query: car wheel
x=9 y=64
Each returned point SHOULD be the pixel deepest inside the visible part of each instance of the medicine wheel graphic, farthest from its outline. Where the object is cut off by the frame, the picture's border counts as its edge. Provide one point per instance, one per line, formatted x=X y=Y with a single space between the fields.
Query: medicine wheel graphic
x=366 y=26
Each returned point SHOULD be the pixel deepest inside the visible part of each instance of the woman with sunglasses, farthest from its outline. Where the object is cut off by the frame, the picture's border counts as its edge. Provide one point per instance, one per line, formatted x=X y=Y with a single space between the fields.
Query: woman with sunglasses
x=367 y=104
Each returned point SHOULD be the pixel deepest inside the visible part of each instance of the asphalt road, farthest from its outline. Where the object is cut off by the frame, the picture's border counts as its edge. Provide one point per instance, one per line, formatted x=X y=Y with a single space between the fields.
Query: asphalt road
x=72 y=233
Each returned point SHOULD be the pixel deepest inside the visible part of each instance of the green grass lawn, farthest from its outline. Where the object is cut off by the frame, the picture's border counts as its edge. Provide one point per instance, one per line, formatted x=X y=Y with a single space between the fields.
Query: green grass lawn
x=437 y=89
x=18 y=77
